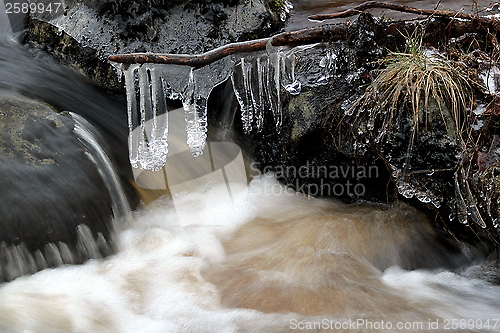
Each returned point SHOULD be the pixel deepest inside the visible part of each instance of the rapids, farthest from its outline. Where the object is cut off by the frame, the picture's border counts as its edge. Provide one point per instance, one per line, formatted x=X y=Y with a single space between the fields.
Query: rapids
x=273 y=261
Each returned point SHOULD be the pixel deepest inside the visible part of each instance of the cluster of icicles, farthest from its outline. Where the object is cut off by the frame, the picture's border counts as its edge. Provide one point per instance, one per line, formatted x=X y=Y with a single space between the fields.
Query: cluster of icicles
x=257 y=78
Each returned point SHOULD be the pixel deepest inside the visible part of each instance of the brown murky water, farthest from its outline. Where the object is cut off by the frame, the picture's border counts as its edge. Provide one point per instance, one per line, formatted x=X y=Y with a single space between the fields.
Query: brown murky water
x=273 y=261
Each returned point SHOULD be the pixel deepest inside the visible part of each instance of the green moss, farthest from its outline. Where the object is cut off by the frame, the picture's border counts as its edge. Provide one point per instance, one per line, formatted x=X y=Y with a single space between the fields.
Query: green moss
x=277 y=5
x=303 y=113
x=14 y=114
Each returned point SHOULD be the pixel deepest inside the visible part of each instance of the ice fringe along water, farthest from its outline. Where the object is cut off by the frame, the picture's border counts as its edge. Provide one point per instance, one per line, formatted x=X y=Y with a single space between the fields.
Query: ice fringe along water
x=259 y=81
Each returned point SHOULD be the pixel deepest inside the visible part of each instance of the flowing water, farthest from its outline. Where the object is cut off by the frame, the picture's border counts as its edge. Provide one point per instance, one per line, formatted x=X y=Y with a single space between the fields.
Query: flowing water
x=89 y=136
x=5 y=27
x=232 y=257
x=271 y=262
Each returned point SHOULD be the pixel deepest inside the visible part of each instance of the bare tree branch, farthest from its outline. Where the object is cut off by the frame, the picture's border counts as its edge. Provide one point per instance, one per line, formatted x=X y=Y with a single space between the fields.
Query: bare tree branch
x=487 y=22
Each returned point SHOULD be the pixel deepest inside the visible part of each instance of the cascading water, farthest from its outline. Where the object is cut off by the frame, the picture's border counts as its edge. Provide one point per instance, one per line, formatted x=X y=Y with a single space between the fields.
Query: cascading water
x=88 y=135
x=17 y=260
x=270 y=261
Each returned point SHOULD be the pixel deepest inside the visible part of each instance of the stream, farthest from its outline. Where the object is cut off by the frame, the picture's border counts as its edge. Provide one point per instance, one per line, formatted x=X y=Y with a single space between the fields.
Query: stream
x=218 y=254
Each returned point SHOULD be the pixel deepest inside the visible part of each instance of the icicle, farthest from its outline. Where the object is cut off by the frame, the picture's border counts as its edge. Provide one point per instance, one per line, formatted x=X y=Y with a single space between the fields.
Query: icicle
x=159 y=125
x=290 y=83
x=132 y=113
x=262 y=92
x=240 y=93
x=250 y=82
x=195 y=98
x=144 y=156
x=147 y=120
x=460 y=205
x=195 y=133
x=196 y=128
x=242 y=90
x=278 y=116
x=274 y=87
x=250 y=86
x=153 y=145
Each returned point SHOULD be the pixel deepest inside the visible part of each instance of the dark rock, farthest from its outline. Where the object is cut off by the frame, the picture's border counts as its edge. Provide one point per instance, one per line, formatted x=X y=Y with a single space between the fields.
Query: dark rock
x=49 y=185
x=326 y=145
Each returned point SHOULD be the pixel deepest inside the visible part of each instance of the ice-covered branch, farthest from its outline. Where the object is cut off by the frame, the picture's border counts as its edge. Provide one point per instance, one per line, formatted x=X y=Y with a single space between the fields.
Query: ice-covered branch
x=299 y=37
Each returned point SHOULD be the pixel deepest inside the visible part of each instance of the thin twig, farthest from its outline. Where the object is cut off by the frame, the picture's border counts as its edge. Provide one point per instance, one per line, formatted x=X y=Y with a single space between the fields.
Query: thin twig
x=489 y=22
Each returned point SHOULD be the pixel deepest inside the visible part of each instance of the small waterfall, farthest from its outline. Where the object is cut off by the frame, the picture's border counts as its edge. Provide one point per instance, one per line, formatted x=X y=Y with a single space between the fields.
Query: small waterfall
x=18 y=260
x=87 y=135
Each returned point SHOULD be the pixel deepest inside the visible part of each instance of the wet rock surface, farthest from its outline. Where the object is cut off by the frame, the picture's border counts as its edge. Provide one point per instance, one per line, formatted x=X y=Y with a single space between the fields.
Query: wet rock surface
x=86 y=33
x=49 y=185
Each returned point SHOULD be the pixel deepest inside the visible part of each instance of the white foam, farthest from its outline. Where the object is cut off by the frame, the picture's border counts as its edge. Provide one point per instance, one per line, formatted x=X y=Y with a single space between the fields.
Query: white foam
x=154 y=282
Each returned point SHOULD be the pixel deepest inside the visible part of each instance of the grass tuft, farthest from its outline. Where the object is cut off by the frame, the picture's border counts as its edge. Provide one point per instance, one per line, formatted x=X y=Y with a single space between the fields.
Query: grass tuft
x=424 y=79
